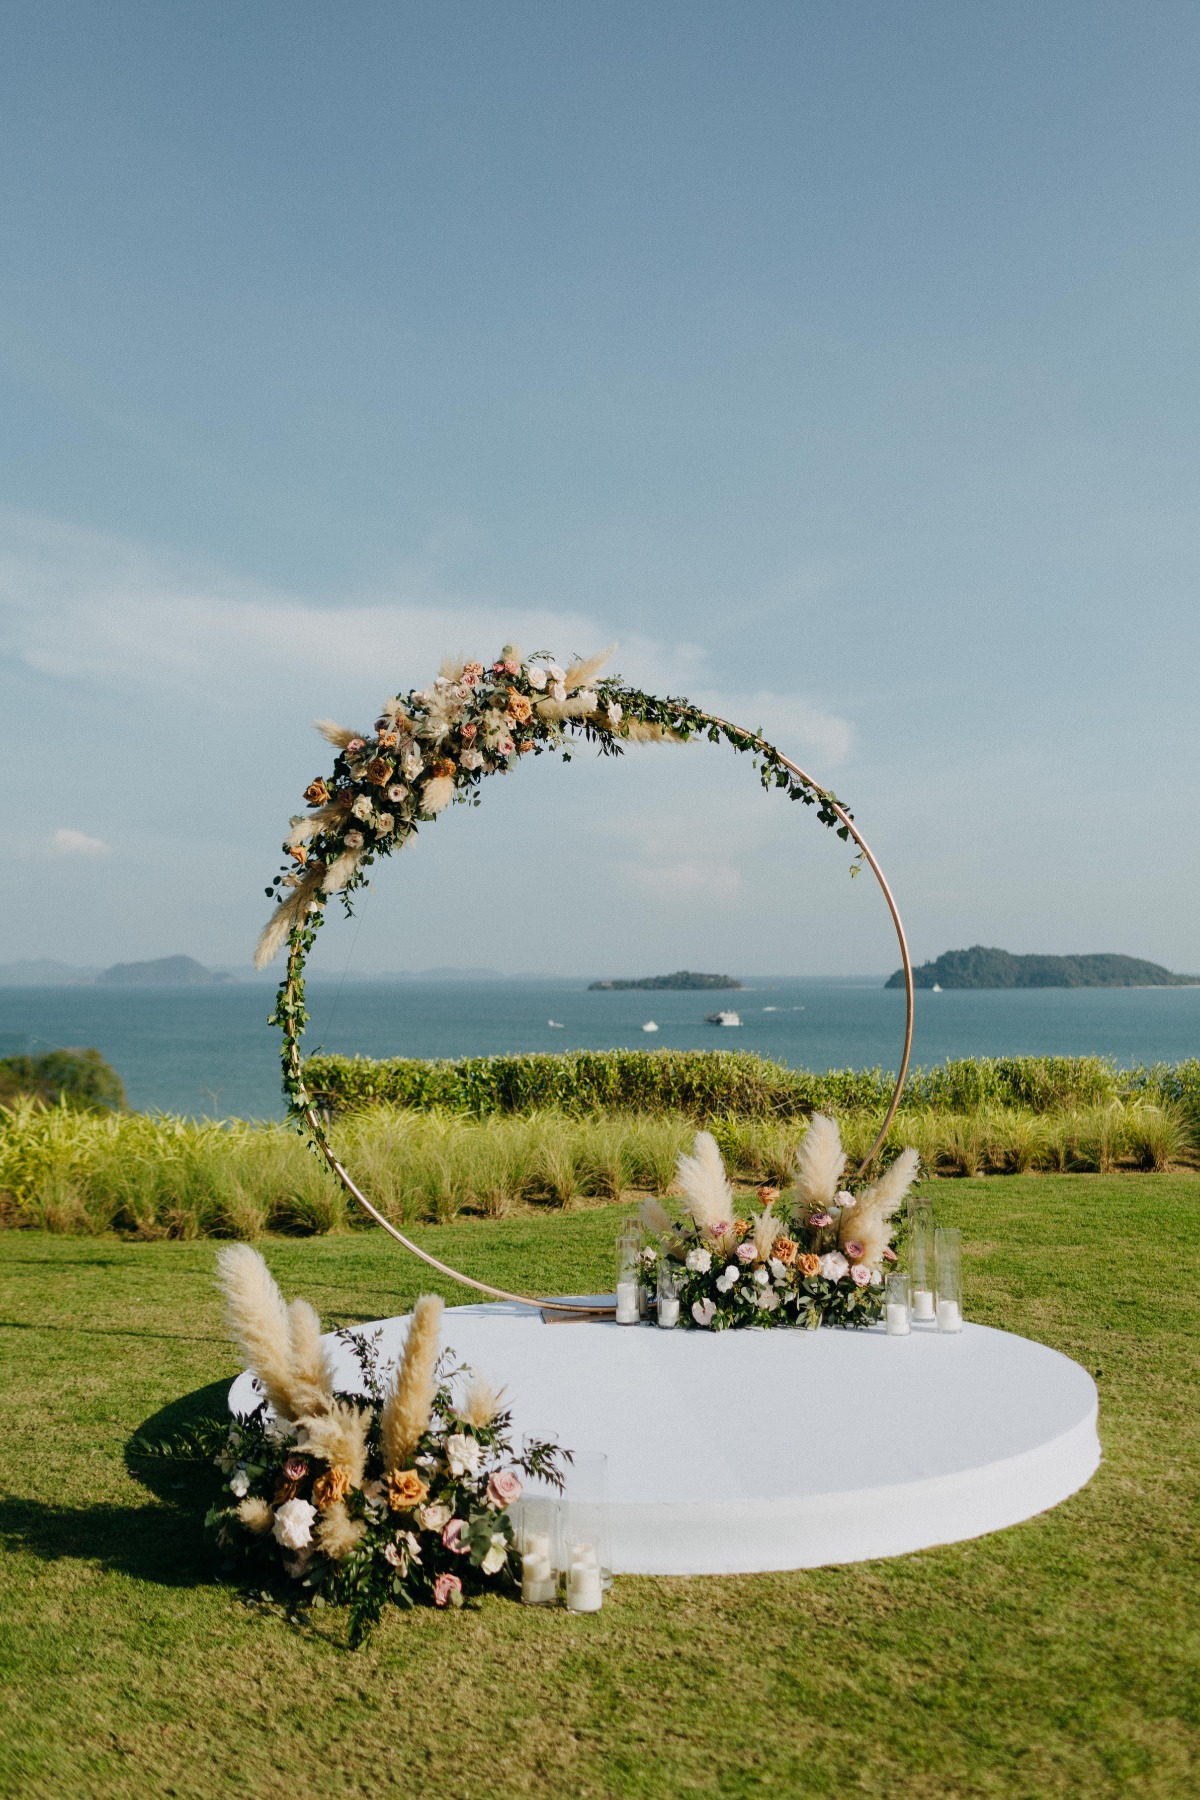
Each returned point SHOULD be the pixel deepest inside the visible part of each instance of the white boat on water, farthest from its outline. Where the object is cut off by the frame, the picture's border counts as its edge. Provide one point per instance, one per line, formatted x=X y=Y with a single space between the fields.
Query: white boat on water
x=649 y=1025
x=936 y=988
x=723 y=1018
x=556 y=1025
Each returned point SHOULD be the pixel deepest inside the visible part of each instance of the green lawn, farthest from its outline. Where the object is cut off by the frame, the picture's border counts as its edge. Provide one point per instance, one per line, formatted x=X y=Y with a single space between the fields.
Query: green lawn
x=1057 y=1658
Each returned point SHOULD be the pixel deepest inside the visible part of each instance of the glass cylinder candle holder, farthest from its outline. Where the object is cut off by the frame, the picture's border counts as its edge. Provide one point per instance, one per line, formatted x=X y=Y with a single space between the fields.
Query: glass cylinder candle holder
x=898 y=1308
x=921 y=1259
x=629 y=1309
x=536 y=1531
x=669 y=1278
x=948 y=1269
x=584 y=1557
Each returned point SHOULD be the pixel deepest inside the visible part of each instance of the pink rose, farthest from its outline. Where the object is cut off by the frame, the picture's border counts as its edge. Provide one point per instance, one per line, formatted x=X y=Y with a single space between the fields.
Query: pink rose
x=396 y=794
x=853 y=1249
x=295 y=1469
x=452 y=1538
x=820 y=1220
x=504 y=1488
x=505 y=747
x=447 y=1591
x=355 y=744
x=746 y=1253
x=720 y=1228
x=498 y=668
x=860 y=1275
x=512 y=668
x=889 y=1255
x=469 y=730
x=353 y=840
x=392 y=1555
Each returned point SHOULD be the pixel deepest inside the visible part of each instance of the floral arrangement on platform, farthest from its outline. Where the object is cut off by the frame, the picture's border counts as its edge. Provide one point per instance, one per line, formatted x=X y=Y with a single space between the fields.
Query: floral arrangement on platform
x=818 y=1258
x=401 y=1495
x=436 y=745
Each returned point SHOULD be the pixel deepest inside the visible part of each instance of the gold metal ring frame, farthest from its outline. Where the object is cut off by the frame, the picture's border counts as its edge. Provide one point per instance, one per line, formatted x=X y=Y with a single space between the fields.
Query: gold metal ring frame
x=317 y=1128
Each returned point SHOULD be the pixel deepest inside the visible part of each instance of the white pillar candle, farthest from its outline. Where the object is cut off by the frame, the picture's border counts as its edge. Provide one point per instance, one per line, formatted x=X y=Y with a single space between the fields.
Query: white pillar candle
x=949 y=1316
x=584 y=1593
x=923 y=1305
x=628 y=1312
x=538 y=1586
x=538 y=1544
x=668 y=1312
x=897 y=1319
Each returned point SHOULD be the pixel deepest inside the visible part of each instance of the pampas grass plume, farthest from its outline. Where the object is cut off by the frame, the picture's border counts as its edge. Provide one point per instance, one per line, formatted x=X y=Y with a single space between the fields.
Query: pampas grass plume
x=481 y=1402
x=642 y=731
x=338 y=735
x=409 y=1401
x=766 y=1229
x=820 y=1161
x=257 y=1321
x=339 y=871
x=256 y=1515
x=582 y=673
x=437 y=793
x=312 y=1375
x=704 y=1182
x=655 y=1217
x=338 y=1534
x=868 y=1221
x=338 y=1436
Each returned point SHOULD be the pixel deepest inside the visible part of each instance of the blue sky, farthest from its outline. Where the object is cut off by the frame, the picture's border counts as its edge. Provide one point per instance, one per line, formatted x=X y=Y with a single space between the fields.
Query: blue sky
x=839 y=361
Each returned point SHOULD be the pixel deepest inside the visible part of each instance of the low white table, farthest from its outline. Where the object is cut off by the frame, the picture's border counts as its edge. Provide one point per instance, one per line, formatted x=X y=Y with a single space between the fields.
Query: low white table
x=739 y=1451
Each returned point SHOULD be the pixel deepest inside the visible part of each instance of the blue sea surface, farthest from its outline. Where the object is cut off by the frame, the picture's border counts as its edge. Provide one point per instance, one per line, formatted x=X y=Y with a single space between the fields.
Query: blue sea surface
x=209 y=1050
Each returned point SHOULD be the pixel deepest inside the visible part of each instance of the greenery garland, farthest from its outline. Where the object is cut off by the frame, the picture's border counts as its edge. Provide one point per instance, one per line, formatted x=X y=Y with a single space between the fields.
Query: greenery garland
x=434 y=746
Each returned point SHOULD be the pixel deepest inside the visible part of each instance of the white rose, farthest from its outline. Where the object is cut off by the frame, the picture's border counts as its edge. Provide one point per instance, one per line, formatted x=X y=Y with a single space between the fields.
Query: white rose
x=362 y=807
x=471 y=759
x=698 y=1261
x=353 y=840
x=558 y=691
x=462 y=1455
x=778 y=1269
x=762 y=1277
x=589 y=699
x=384 y=823
x=555 y=673
x=239 y=1485
x=843 y=1199
x=768 y=1300
x=496 y=1554
x=616 y=713
x=293 y=1524
x=433 y=1517
x=834 y=1265
x=413 y=762
x=728 y=1279
x=537 y=678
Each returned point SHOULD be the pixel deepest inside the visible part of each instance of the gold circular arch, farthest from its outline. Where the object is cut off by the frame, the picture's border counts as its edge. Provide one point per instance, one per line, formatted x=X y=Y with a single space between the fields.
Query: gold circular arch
x=293 y=1060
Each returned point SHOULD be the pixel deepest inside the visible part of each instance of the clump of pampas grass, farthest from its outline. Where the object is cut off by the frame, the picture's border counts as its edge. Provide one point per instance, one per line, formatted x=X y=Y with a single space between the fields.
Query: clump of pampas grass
x=281 y=1346
x=338 y=735
x=584 y=670
x=340 y=870
x=481 y=1402
x=437 y=793
x=409 y=1401
x=339 y=1437
x=289 y=913
x=256 y=1514
x=337 y=1533
x=707 y=1193
x=820 y=1162
x=868 y=1221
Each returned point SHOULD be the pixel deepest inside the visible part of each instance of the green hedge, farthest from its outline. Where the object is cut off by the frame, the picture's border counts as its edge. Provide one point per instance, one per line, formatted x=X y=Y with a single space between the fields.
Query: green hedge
x=707 y=1083
x=79 y=1078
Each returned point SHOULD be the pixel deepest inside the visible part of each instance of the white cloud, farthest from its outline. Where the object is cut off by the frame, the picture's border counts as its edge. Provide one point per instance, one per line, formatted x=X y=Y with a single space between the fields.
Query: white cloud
x=66 y=841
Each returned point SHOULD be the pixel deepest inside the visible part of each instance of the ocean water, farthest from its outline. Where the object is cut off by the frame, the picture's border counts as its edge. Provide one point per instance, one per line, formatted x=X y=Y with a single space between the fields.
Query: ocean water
x=210 y=1050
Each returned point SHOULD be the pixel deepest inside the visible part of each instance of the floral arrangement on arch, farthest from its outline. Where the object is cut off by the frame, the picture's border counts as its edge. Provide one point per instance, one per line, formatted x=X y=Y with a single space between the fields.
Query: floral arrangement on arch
x=436 y=745
x=818 y=1258
x=399 y=1496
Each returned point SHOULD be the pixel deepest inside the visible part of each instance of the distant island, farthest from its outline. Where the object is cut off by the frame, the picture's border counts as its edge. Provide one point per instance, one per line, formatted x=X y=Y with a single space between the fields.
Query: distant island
x=980 y=967
x=682 y=978
x=164 y=971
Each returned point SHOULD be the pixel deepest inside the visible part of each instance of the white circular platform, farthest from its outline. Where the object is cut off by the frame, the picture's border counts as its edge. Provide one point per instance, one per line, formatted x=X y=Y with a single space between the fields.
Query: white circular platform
x=739 y=1451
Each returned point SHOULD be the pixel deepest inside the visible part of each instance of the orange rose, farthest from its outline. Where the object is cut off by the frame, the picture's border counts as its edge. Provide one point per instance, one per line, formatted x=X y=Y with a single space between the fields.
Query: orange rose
x=388 y=740
x=768 y=1195
x=809 y=1265
x=442 y=765
x=333 y=1485
x=404 y=1489
x=379 y=770
x=316 y=793
x=300 y=853
x=285 y=1491
x=784 y=1248
x=743 y=1228
x=519 y=707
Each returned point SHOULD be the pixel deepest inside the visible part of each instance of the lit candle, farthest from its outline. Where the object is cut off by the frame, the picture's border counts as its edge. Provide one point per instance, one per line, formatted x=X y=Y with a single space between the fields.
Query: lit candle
x=949 y=1316
x=897 y=1319
x=628 y=1310
x=668 y=1311
x=923 y=1305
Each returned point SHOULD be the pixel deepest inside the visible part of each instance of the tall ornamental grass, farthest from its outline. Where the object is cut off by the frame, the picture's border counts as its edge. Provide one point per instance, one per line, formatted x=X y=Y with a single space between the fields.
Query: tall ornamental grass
x=157 y=1176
